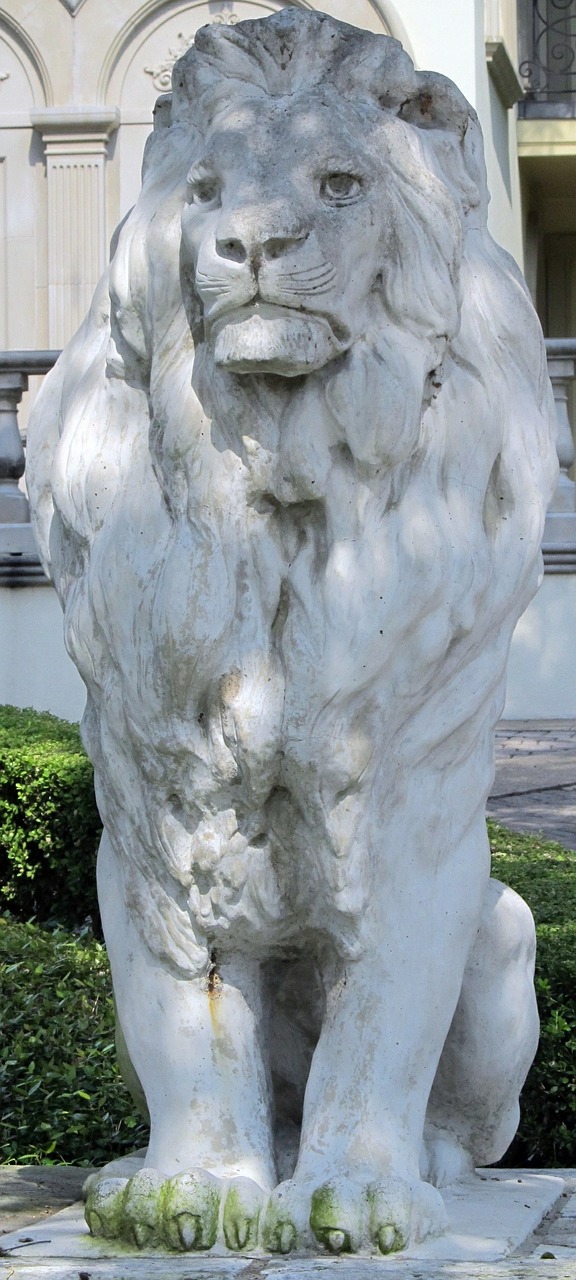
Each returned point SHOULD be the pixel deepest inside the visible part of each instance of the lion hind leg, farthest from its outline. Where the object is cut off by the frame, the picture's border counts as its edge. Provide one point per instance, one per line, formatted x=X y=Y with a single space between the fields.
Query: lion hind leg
x=473 y=1111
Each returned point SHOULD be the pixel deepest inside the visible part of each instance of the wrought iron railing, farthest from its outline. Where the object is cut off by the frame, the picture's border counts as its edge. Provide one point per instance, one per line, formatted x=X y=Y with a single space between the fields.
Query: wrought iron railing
x=548 y=40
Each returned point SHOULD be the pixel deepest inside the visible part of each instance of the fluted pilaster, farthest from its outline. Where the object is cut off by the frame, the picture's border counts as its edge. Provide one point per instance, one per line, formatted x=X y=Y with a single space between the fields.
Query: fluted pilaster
x=76 y=146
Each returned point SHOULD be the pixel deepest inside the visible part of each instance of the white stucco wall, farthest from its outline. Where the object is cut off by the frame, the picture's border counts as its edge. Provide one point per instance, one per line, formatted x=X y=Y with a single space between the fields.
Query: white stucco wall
x=442 y=37
x=450 y=38
x=542 y=666
x=35 y=670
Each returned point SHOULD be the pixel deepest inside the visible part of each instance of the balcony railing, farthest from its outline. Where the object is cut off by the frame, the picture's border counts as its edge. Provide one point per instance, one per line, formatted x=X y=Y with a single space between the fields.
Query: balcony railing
x=547 y=37
x=19 y=563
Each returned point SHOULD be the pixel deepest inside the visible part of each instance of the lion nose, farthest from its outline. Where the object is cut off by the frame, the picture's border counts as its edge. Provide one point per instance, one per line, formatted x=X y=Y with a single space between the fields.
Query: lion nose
x=258 y=249
x=232 y=249
x=277 y=246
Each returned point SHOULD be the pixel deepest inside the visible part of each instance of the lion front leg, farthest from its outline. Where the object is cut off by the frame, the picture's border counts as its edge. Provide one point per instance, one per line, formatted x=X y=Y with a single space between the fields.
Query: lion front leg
x=194 y=1045
x=357 y=1184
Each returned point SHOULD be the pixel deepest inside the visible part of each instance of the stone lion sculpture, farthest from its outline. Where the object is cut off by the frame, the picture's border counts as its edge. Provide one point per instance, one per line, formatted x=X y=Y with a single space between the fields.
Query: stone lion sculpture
x=289 y=480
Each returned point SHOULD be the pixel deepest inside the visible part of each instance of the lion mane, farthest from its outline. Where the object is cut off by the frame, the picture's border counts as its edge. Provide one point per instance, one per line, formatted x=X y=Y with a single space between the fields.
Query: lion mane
x=286 y=595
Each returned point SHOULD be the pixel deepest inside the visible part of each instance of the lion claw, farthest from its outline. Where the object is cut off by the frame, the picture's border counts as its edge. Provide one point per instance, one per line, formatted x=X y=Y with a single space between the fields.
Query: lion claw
x=336 y=1241
x=389 y=1240
x=286 y=1238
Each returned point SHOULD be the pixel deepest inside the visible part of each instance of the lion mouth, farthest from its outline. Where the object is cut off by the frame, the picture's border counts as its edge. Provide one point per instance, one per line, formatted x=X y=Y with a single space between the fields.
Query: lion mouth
x=270 y=338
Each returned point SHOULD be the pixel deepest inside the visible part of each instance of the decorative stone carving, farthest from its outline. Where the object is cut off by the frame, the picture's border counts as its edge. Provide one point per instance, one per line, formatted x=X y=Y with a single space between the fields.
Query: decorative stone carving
x=162 y=75
x=290 y=480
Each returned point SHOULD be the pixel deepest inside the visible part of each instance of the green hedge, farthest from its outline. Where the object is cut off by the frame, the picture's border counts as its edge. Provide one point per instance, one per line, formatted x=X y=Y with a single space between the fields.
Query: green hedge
x=545 y=875
x=49 y=824
x=61 y=1097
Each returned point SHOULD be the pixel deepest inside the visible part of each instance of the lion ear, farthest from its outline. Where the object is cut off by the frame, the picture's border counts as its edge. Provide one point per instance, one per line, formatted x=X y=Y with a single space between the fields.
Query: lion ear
x=437 y=104
x=452 y=138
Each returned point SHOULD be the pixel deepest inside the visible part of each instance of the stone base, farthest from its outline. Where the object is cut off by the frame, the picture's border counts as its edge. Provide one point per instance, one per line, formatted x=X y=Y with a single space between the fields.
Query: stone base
x=491 y=1217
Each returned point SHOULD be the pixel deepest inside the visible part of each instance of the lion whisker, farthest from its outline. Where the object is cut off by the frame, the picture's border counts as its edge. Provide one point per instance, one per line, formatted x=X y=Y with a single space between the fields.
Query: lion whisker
x=308 y=275
x=310 y=290
x=213 y=281
x=323 y=265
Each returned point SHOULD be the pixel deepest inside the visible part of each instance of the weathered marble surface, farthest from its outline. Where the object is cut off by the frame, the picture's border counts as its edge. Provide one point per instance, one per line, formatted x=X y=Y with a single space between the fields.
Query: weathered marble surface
x=290 y=481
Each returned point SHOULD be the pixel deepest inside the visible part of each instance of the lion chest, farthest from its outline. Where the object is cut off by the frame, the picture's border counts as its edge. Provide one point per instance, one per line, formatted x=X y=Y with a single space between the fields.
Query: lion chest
x=275 y=632
x=264 y=660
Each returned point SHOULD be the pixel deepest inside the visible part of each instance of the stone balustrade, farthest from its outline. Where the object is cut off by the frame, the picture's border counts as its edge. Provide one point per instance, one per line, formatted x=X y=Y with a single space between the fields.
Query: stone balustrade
x=19 y=563
x=559 y=542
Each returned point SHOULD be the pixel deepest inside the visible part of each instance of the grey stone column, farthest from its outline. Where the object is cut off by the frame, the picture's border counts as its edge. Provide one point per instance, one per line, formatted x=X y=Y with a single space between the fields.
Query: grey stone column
x=19 y=562
x=13 y=503
x=559 y=542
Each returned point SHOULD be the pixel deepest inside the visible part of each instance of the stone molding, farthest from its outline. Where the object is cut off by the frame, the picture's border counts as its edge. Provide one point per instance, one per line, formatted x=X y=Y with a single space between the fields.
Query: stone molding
x=503 y=73
x=554 y=134
x=19 y=560
x=97 y=125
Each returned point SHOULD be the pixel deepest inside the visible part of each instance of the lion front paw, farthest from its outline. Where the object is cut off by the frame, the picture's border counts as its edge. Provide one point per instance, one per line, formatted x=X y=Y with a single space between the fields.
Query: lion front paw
x=181 y=1213
x=346 y=1216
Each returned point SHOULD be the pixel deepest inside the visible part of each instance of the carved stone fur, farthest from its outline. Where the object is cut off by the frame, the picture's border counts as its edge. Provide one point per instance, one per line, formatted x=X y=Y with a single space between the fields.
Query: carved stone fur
x=290 y=480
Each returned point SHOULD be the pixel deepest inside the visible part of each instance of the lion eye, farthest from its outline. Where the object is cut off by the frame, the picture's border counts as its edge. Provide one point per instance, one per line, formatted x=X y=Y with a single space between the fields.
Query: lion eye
x=204 y=190
x=340 y=188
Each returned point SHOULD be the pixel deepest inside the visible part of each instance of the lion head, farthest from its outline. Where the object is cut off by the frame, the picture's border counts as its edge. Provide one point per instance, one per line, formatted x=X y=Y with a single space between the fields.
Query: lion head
x=294 y=216
x=284 y=240
x=308 y=417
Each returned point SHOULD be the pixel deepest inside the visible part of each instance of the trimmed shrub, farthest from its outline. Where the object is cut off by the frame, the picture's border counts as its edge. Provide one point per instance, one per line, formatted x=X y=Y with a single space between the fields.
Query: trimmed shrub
x=62 y=1100
x=545 y=875
x=49 y=823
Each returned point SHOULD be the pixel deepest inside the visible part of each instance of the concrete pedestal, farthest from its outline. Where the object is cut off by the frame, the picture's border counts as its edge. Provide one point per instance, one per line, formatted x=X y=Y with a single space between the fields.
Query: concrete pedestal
x=503 y=1223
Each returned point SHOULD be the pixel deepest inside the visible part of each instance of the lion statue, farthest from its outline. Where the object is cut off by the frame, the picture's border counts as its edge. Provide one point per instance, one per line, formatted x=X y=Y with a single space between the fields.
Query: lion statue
x=289 y=480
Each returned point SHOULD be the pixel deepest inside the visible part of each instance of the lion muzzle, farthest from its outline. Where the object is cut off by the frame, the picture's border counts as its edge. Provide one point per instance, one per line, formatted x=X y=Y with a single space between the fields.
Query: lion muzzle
x=273 y=339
